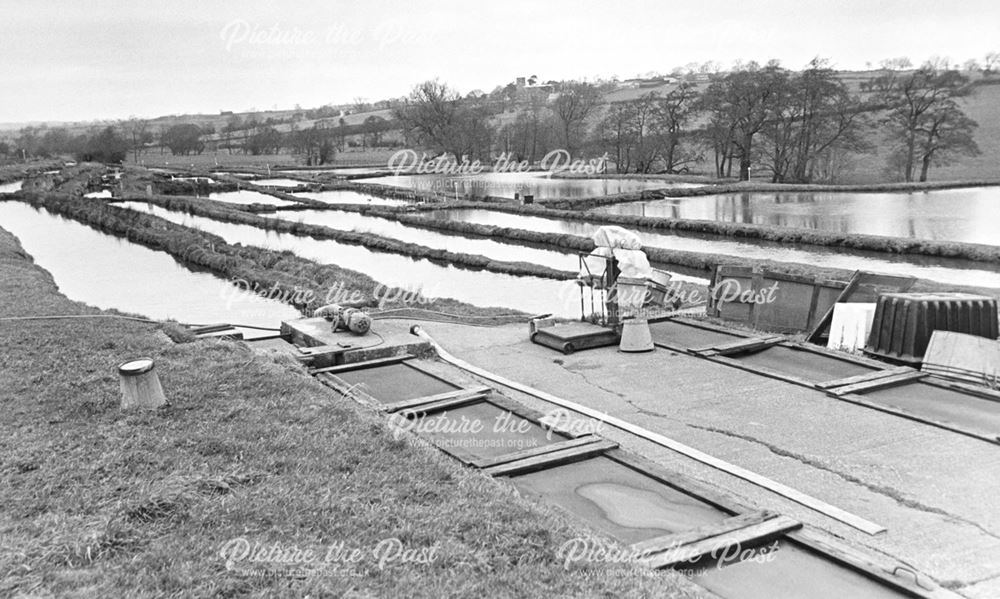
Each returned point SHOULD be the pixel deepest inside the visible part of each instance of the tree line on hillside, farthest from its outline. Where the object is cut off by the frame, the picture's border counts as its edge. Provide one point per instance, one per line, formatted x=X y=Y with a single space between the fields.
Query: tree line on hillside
x=803 y=126
x=795 y=126
x=318 y=143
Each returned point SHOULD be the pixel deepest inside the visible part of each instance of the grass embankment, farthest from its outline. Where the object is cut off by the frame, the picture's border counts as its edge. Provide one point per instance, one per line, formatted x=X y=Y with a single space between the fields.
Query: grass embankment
x=20 y=171
x=220 y=212
x=773 y=233
x=260 y=268
x=100 y=503
x=73 y=180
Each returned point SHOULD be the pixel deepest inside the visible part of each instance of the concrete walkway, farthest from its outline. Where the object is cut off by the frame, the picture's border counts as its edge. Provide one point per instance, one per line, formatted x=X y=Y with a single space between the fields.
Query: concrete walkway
x=937 y=492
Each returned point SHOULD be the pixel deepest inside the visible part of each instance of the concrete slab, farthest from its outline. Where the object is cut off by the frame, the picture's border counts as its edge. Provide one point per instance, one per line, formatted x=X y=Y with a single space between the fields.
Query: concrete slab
x=387 y=338
x=935 y=490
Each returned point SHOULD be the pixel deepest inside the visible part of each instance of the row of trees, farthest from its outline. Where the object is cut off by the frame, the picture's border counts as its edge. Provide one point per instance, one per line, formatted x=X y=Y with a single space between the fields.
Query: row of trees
x=107 y=144
x=318 y=143
x=795 y=126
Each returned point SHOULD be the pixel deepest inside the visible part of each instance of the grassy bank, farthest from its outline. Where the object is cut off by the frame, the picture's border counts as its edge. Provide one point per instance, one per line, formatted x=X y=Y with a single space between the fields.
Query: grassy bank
x=258 y=267
x=220 y=212
x=100 y=503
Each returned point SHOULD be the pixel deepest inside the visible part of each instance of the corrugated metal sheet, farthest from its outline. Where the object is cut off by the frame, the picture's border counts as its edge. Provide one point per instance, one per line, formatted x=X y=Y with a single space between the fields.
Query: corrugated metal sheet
x=904 y=322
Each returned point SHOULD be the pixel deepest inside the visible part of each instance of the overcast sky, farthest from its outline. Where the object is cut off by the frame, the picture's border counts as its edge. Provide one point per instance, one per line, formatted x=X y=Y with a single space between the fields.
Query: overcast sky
x=98 y=59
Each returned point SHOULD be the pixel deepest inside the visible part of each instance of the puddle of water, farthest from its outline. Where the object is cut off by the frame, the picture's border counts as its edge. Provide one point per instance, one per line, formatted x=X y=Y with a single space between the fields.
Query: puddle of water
x=533 y=295
x=638 y=508
x=247 y=197
x=278 y=182
x=538 y=184
x=11 y=187
x=343 y=196
x=967 y=215
x=617 y=500
x=109 y=272
x=955 y=272
x=104 y=193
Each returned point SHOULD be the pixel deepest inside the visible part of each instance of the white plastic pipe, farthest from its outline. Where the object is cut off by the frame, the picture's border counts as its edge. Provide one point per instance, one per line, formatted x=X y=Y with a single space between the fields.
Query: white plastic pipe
x=757 y=479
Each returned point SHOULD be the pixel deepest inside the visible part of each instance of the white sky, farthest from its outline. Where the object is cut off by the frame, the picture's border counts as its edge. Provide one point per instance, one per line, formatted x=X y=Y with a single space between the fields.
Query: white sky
x=76 y=60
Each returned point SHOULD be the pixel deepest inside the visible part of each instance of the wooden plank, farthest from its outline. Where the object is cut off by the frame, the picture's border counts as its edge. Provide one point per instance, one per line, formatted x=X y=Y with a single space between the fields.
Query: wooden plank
x=535 y=451
x=783 y=276
x=424 y=402
x=362 y=365
x=879 y=383
x=679 y=539
x=550 y=459
x=741 y=346
x=749 y=536
x=457 y=400
x=321 y=349
x=861 y=378
x=356 y=392
x=209 y=328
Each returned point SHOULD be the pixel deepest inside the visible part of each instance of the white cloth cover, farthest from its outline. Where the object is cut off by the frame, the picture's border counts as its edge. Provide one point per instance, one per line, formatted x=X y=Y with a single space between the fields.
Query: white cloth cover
x=633 y=264
x=616 y=237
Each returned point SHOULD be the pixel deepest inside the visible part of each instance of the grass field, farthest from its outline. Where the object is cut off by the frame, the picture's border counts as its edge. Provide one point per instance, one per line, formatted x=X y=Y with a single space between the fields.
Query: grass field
x=100 y=503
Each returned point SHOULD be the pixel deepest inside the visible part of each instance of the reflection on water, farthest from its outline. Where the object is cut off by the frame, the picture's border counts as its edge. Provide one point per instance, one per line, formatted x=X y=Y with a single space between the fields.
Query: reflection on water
x=957 y=272
x=969 y=215
x=336 y=171
x=11 y=187
x=246 y=197
x=478 y=287
x=343 y=196
x=109 y=272
x=505 y=185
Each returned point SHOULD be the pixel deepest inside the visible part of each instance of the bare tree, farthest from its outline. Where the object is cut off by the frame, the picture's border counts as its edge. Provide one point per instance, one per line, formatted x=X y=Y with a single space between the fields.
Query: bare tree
x=437 y=116
x=990 y=63
x=740 y=104
x=574 y=105
x=946 y=132
x=914 y=102
x=138 y=135
x=814 y=115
